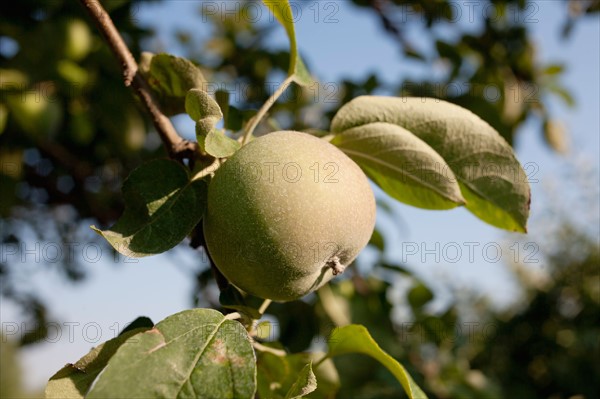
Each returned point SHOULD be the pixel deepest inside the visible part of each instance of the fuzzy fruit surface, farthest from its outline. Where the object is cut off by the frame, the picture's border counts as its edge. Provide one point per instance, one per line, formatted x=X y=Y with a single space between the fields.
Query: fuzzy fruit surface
x=283 y=210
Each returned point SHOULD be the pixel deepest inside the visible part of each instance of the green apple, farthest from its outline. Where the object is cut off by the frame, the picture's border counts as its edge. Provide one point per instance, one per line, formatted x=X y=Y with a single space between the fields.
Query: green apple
x=286 y=213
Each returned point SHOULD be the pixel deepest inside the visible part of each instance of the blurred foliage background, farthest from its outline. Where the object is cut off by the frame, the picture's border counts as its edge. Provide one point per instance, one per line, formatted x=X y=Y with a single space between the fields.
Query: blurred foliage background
x=70 y=132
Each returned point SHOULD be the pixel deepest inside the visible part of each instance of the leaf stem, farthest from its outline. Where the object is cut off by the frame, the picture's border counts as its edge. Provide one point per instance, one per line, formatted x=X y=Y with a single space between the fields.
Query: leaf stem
x=177 y=147
x=233 y=316
x=265 y=108
x=264 y=348
x=264 y=306
x=208 y=170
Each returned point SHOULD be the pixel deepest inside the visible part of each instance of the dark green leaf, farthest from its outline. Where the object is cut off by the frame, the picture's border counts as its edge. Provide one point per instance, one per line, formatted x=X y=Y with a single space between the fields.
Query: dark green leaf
x=3 y=117
x=232 y=298
x=162 y=206
x=193 y=354
x=236 y=118
x=356 y=339
x=74 y=380
x=278 y=374
x=491 y=179
x=140 y=322
x=222 y=98
x=402 y=164
x=419 y=295
x=377 y=240
x=449 y=51
x=170 y=78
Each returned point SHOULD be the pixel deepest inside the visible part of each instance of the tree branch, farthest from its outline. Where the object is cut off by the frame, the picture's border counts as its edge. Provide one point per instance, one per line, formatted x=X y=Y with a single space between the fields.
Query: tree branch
x=177 y=147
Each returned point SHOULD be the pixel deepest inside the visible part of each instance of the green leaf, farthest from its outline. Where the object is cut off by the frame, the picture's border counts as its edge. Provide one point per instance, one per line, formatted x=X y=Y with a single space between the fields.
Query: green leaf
x=277 y=375
x=304 y=384
x=377 y=240
x=35 y=113
x=219 y=145
x=222 y=98
x=170 y=78
x=174 y=76
x=3 y=117
x=283 y=12
x=200 y=106
x=162 y=206
x=140 y=322
x=75 y=380
x=402 y=164
x=356 y=339
x=553 y=69
x=196 y=353
x=236 y=118
x=491 y=179
x=419 y=295
x=563 y=93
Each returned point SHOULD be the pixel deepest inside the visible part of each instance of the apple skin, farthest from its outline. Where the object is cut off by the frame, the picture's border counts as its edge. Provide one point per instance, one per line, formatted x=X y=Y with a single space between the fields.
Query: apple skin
x=286 y=213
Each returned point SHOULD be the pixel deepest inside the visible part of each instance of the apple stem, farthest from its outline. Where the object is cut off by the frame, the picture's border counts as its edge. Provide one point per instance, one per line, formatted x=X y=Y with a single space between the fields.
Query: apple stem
x=336 y=266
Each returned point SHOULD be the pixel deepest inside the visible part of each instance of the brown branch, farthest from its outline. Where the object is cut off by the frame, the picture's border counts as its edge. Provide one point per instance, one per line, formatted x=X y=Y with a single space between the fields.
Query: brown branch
x=177 y=147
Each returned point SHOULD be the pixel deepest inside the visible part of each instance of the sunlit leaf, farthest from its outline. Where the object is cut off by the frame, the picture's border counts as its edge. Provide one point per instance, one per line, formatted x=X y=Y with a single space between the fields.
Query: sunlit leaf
x=491 y=179
x=193 y=354
x=553 y=69
x=402 y=164
x=356 y=339
x=283 y=12
x=219 y=145
x=174 y=76
x=74 y=380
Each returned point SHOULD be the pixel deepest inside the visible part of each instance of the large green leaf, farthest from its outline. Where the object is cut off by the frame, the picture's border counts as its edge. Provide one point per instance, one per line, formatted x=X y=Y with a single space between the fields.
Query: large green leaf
x=162 y=206
x=491 y=179
x=402 y=164
x=170 y=78
x=174 y=76
x=74 y=380
x=193 y=354
x=278 y=375
x=283 y=12
x=356 y=339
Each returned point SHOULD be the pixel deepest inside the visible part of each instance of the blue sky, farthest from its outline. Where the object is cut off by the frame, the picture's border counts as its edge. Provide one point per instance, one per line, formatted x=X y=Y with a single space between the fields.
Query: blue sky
x=116 y=292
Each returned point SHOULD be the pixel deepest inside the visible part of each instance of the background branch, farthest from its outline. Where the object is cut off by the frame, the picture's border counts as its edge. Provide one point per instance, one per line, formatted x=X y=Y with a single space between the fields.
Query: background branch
x=177 y=147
